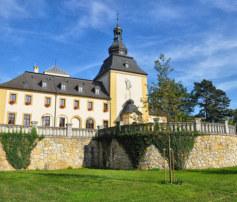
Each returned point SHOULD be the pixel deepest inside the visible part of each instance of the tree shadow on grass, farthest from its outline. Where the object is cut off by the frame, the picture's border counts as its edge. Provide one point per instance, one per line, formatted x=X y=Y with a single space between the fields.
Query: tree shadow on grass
x=96 y=178
x=224 y=171
x=74 y=176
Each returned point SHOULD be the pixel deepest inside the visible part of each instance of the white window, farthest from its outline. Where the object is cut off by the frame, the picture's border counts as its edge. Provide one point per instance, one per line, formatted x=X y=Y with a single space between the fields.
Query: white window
x=76 y=104
x=47 y=102
x=106 y=107
x=62 y=103
x=12 y=98
x=106 y=123
x=11 y=118
x=26 y=120
x=90 y=106
x=80 y=89
x=62 y=122
x=44 y=84
x=90 y=124
x=63 y=87
x=46 y=121
x=126 y=65
x=97 y=91
x=28 y=100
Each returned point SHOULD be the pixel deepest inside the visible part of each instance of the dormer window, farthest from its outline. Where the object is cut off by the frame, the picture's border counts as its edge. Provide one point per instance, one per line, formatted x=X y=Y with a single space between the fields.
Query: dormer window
x=97 y=91
x=80 y=89
x=63 y=87
x=44 y=84
x=126 y=65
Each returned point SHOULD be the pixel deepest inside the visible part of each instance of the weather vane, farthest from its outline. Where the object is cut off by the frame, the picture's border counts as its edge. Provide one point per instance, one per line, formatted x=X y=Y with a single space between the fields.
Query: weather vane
x=117 y=18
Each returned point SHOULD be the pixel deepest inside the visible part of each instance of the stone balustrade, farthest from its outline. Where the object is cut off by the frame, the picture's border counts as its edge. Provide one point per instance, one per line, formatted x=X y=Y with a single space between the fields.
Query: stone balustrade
x=13 y=129
x=196 y=126
x=68 y=131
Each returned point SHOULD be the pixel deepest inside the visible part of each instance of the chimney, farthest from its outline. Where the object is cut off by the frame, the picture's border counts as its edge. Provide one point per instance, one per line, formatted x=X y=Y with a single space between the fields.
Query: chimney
x=36 y=69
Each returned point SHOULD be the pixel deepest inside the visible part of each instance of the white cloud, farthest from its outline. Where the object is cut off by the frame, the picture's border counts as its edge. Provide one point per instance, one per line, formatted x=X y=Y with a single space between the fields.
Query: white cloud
x=84 y=68
x=92 y=15
x=99 y=14
x=213 y=68
x=206 y=46
x=213 y=57
x=209 y=55
x=228 y=85
x=13 y=9
x=18 y=35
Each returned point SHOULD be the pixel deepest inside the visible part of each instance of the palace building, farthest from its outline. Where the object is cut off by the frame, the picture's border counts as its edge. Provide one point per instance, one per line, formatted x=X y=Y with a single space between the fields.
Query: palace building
x=118 y=93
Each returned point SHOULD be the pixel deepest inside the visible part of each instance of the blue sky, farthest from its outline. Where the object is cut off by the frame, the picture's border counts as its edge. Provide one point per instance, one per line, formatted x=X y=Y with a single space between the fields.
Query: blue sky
x=200 y=36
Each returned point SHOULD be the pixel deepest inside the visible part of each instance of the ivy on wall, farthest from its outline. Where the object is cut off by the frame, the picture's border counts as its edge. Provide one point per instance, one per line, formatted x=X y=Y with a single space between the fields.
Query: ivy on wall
x=136 y=143
x=180 y=142
x=18 y=147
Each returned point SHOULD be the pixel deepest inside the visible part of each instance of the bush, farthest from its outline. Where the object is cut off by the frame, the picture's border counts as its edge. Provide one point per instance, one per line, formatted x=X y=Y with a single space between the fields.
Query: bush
x=18 y=147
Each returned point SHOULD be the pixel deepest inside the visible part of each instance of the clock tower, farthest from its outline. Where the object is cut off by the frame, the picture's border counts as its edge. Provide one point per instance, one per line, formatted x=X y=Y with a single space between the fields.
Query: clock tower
x=125 y=82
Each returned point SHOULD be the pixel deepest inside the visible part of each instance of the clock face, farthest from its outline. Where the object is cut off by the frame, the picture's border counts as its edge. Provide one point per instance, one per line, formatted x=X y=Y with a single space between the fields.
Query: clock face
x=128 y=84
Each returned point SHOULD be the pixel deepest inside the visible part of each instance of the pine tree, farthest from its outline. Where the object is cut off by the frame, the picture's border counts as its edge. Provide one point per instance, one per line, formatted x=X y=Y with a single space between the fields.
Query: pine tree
x=213 y=102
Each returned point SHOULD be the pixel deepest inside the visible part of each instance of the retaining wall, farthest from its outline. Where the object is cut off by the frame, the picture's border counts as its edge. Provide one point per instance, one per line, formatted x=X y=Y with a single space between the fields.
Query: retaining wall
x=210 y=151
x=57 y=153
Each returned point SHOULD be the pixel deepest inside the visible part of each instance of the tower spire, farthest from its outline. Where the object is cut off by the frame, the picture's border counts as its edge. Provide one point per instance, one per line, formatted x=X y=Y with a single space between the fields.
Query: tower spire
x=117 y=46
x=117 y=19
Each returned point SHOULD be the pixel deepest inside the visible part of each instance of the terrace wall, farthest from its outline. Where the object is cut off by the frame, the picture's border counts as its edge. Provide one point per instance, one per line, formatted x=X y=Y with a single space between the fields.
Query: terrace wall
x=210 y=151
x=58 y=153
x=213 y=151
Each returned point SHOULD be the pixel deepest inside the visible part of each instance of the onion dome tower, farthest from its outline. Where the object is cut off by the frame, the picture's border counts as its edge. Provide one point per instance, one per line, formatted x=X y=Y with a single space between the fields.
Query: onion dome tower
x=117 y=46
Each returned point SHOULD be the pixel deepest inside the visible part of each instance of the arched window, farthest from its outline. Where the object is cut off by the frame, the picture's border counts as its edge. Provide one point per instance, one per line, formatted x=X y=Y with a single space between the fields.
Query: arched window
x=90 y=123
x=46 y=121
x=62 y=122
x=76 y=122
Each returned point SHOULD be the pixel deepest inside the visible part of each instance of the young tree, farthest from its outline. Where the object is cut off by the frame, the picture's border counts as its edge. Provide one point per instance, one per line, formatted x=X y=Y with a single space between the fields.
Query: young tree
x=213 y=102
x=167 y=97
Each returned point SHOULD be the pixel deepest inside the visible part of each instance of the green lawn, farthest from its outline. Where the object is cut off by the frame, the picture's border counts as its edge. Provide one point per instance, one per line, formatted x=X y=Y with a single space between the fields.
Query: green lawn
x=111 y=185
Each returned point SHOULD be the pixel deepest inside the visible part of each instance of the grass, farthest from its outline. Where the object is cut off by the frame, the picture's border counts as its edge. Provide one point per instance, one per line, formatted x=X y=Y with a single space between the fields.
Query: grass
x=113 y=185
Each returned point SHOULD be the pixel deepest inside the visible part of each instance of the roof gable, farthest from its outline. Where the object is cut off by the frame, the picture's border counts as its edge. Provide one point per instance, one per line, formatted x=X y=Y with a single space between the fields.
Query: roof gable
x=57 y=71
x=120 y=63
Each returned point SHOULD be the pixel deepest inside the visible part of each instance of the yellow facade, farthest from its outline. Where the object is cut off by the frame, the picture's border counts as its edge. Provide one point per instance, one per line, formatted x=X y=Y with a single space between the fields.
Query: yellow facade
x=3 y=99
x=145 y=112
x=114 y=88
x=112 y=80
